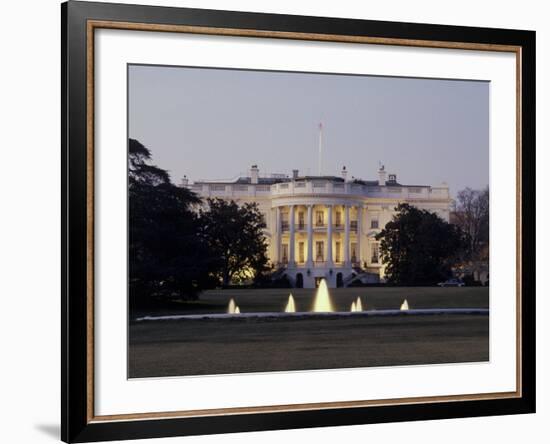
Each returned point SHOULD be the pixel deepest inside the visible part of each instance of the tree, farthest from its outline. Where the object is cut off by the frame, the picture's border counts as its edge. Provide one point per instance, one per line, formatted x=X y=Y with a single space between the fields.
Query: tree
x=235 y=235
x=418 y=247
x=166 y=257
x=472 y=216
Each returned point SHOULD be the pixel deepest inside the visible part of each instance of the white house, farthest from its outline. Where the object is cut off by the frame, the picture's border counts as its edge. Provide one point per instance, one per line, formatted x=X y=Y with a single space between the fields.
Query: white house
x=325 y=226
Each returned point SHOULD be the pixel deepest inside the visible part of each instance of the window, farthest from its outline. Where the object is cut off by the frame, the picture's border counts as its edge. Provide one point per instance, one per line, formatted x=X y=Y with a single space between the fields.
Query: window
x=374 y=223
x=217 y=187
x=301 y=220
x=338 y=222
x=319 y=248
x=337 y=252
x=375 y=253
x=301 y=257
x=284 y=257
x=353 y=252
x=284 y=221
x=319 y=218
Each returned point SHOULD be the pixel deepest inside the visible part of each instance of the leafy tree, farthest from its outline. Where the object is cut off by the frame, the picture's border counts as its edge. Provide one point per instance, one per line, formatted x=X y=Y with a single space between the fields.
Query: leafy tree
x=418 y=247
x=472 y=216
x=235 y=235
x=166 y=257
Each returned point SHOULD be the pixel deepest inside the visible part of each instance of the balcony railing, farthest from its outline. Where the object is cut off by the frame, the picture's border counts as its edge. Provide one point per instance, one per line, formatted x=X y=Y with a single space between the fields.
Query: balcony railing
x=353 y=226
x=285 y=226
x=320 y=186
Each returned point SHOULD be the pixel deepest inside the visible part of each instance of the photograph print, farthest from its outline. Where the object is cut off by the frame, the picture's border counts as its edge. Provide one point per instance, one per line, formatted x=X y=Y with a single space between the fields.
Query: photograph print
x=287 y=221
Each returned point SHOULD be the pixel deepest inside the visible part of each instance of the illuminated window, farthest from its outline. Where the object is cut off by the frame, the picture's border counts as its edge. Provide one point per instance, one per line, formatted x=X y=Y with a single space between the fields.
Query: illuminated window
x=319 y=248
x=285 y=254
x=301 y=256
x=319 y=218
x=338 y=219
x=301 y=220
x=353 y=252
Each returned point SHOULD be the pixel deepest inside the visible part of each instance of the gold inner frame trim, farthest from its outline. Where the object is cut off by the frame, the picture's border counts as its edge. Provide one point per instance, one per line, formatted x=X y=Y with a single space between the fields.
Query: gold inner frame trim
x=97 y=24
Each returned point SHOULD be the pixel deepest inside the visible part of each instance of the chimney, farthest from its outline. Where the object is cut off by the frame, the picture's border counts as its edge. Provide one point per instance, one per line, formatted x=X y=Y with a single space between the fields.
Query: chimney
x=254 y=173
x=345 y=174
x=184 y=181
x=381 y=176
x=295 y=174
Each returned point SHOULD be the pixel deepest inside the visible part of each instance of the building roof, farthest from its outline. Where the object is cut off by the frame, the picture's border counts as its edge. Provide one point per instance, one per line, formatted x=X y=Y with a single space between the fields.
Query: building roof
x=306 y=178
x=262 y=180
x=246 y=180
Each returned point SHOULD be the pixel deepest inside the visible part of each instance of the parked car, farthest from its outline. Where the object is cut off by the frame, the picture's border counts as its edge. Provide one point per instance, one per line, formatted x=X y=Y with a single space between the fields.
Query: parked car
x=451 y=283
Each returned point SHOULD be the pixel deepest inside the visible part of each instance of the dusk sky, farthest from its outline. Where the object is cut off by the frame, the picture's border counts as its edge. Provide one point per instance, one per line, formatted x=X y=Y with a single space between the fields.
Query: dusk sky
x=216 y=123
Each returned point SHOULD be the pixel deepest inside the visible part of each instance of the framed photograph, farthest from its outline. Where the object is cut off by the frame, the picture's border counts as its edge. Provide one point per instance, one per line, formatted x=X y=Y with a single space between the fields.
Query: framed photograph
x=275 y=221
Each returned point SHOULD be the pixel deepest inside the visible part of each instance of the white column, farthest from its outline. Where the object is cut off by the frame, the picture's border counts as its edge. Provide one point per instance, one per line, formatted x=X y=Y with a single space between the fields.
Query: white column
x=359 y=229
x=310 y=235
x=346 y=241
x=329 y=237
x=278 y=235
x=291 y=262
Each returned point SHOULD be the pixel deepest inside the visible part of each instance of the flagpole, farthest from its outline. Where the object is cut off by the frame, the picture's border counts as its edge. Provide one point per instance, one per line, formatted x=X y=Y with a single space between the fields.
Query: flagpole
x=320 y=146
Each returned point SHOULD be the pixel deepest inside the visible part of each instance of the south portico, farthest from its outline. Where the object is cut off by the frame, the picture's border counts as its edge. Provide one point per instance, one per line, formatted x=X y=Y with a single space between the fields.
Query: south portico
x=318 y=238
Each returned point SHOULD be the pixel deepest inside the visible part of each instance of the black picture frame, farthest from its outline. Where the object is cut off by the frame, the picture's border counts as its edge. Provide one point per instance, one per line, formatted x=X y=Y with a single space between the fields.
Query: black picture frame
x=76 y=423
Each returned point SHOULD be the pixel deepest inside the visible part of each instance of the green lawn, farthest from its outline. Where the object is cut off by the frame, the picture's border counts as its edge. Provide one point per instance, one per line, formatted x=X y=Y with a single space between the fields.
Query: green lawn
x=179 y=348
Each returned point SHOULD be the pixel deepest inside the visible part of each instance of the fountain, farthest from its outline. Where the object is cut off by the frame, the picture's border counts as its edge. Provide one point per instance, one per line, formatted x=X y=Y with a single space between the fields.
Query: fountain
x=290 y=305
x=232 y=307
x=322 y=302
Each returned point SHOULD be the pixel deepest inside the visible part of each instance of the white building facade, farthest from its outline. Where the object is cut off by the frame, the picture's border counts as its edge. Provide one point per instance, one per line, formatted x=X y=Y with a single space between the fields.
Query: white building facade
x=325 y=226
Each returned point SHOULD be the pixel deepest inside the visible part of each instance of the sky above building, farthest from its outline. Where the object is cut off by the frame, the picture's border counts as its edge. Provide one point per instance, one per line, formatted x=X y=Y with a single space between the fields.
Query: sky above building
x=215 y=123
